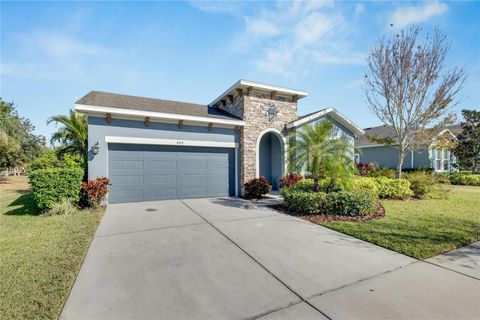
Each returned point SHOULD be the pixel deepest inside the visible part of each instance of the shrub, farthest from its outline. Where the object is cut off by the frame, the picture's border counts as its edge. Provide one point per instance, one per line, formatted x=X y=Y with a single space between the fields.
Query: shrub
x=441 y=178
x=306 y=202
x=52 y=185
x=257 y=188
x=393 y=188
x=382 y=172
x=303 y=185
x=364 y=168
x=63 y=207
x=421 y=183
x=350 y=203
x=47 y=160
x=365 y=184
x=94 y=191
x=464 y=179
x=291 y=179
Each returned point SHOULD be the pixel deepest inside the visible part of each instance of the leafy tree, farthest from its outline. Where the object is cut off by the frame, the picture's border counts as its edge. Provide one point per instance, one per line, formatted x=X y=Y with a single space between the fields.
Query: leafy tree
x=73 y=135
x=322 y=155
x=408 y=88
x=467 y=149
x=18 y=144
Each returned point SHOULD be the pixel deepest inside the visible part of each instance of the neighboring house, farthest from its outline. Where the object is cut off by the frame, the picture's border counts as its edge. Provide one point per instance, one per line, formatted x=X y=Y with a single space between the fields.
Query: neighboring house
x=153 y=149
x=386 y=156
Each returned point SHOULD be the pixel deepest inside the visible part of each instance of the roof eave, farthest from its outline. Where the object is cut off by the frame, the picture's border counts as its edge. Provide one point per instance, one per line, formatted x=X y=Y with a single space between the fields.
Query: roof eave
x=90 y=109
x=246 y=83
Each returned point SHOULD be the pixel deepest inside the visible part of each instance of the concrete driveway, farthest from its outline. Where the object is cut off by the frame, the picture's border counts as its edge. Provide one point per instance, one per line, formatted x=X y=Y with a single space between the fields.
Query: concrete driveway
x=228 y=259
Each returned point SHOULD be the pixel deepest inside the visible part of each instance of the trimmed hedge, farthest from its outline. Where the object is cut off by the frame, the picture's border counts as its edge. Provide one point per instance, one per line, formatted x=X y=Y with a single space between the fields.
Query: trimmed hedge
x=365 y=184
x=349 y=203
x=393 y=188
x=52 y=185
x=422 y=183
x=464 y=179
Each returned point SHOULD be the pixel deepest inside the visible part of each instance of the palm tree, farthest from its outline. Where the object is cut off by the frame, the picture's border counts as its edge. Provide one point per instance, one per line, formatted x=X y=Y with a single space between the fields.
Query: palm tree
x=73 y=135
x=315 y=150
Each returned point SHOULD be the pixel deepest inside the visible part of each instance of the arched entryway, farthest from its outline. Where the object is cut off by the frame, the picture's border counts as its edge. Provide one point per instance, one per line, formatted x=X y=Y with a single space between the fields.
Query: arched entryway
x=271 y=156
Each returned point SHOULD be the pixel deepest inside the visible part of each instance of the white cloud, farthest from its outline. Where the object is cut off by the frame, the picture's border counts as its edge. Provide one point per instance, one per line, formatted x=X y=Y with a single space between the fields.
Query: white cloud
x=410 y=14
x=52 y=55
x=359 y=8
x=261 y=27
x=293 y=38
x=214 y=6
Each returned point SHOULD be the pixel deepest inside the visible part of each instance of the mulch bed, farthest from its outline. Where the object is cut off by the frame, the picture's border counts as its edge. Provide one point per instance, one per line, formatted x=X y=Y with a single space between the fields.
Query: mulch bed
x=330 y=217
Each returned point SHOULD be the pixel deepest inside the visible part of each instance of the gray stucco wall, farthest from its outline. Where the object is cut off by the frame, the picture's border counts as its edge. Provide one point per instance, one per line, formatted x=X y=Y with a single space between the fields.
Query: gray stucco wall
x=98 y=128
x=387 y=156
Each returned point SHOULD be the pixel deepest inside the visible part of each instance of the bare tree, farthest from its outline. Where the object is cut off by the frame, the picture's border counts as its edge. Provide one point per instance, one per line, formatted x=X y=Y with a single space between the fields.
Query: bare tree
x=408 y=88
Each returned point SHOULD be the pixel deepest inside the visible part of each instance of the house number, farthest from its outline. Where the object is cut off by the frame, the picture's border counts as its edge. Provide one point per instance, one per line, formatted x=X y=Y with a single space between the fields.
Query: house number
x=179 y=142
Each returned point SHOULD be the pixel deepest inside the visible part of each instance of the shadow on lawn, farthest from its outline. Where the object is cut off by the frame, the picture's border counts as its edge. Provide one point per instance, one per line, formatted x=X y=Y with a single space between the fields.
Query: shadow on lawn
x=24 y=205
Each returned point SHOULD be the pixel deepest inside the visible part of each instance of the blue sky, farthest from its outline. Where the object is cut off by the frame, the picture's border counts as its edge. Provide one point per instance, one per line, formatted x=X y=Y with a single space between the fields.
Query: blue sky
x=55 y=52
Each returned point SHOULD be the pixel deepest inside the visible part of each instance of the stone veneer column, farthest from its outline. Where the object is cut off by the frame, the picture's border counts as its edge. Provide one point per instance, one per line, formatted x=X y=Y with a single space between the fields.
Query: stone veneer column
x=256 y=120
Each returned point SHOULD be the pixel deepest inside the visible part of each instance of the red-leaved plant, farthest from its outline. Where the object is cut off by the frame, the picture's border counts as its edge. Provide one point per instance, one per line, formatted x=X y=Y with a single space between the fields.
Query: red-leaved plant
x=291 y=179
x=94 y=191
x=257 y=188
x=364 y=168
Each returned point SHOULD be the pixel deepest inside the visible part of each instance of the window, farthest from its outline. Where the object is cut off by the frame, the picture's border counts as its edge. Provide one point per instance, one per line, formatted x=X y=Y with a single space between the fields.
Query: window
x=357 y=158
x=442 y=160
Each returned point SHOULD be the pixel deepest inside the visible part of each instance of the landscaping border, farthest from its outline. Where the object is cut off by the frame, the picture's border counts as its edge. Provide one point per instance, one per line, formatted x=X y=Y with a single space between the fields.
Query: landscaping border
x=315 y=218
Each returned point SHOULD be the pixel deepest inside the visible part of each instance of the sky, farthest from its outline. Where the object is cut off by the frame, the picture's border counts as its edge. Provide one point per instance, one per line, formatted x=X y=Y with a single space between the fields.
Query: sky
x=53 y=53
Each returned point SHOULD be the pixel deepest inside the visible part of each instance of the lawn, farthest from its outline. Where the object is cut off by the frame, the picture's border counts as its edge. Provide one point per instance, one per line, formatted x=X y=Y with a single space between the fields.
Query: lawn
x=39 y=256
x=422 y=228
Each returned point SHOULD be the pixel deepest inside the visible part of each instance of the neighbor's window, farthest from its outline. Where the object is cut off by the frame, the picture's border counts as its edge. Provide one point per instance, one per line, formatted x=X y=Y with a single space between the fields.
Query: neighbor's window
x=442 y=159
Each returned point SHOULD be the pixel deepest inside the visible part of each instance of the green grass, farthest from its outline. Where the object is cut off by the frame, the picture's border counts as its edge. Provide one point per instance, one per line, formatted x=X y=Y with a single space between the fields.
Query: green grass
x=39 y=256
x=422 y=228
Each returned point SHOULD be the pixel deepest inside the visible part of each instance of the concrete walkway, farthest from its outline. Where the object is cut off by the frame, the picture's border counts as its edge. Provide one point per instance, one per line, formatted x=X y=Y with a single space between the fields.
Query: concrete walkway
x=226 y=258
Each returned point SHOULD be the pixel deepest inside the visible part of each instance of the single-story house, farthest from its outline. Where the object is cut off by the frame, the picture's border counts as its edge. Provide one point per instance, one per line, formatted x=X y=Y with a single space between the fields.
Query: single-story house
x=154 y=149
x=439 y=159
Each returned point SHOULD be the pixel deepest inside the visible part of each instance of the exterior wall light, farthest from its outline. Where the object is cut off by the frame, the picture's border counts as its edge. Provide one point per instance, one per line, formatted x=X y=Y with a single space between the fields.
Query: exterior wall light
x=95 y=148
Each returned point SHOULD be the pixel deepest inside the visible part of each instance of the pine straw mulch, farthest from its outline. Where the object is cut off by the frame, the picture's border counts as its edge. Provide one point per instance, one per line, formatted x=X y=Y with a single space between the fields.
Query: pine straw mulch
x=315 y=218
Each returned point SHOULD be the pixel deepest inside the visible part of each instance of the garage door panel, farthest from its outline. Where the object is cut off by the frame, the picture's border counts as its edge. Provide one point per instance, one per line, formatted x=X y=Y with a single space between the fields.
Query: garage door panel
x=160 y=193
x=141 y=172
x=121 y=195
x=127 y=180
x=160 y=180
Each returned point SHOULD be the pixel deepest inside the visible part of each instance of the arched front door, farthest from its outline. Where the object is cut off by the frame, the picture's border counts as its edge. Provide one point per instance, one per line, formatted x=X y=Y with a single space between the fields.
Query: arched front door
x=271 y=157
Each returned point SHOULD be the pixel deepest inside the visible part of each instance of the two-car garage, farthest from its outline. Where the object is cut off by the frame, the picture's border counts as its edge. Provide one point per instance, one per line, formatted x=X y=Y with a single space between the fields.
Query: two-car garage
x=158 y=172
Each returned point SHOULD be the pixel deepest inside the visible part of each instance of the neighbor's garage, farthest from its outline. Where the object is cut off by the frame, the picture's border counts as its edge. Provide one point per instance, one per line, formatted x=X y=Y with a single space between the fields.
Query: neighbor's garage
x=153 y=172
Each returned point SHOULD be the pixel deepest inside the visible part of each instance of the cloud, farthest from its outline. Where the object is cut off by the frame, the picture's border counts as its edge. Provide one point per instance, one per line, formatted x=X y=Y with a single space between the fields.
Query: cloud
x=293 y=38
x=359 y=8
x=47 y=54
x=406 y=15
x=231 y=7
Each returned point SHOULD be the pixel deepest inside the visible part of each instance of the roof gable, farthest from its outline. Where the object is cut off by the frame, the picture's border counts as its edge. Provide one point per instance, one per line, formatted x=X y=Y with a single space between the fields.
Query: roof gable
x=303 y=120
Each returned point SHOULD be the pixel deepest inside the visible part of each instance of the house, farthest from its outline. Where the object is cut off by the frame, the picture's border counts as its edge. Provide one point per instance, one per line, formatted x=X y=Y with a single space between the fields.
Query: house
x=439 y=159
x=154 y=149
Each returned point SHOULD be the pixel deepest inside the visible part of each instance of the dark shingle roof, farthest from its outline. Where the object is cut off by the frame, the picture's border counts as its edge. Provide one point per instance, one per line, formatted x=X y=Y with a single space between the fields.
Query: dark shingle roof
x=121 y=101
x=380 y=132
x=385 y=132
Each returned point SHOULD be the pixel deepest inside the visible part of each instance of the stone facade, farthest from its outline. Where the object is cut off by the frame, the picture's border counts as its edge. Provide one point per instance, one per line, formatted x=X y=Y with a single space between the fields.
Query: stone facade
x=252 y=108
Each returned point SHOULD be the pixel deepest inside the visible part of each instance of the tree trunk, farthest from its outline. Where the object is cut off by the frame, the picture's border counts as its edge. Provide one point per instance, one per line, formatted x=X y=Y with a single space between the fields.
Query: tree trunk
x=401 y=155
x=315 y=183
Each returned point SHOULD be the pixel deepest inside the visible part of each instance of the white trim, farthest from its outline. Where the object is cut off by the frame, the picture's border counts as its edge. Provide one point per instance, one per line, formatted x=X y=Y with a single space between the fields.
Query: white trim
x=170 y=142
x=283 y=146
x=412 y=159
x=334 y=114
x=377 y=145
x=159 y=115
x=246 y=83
